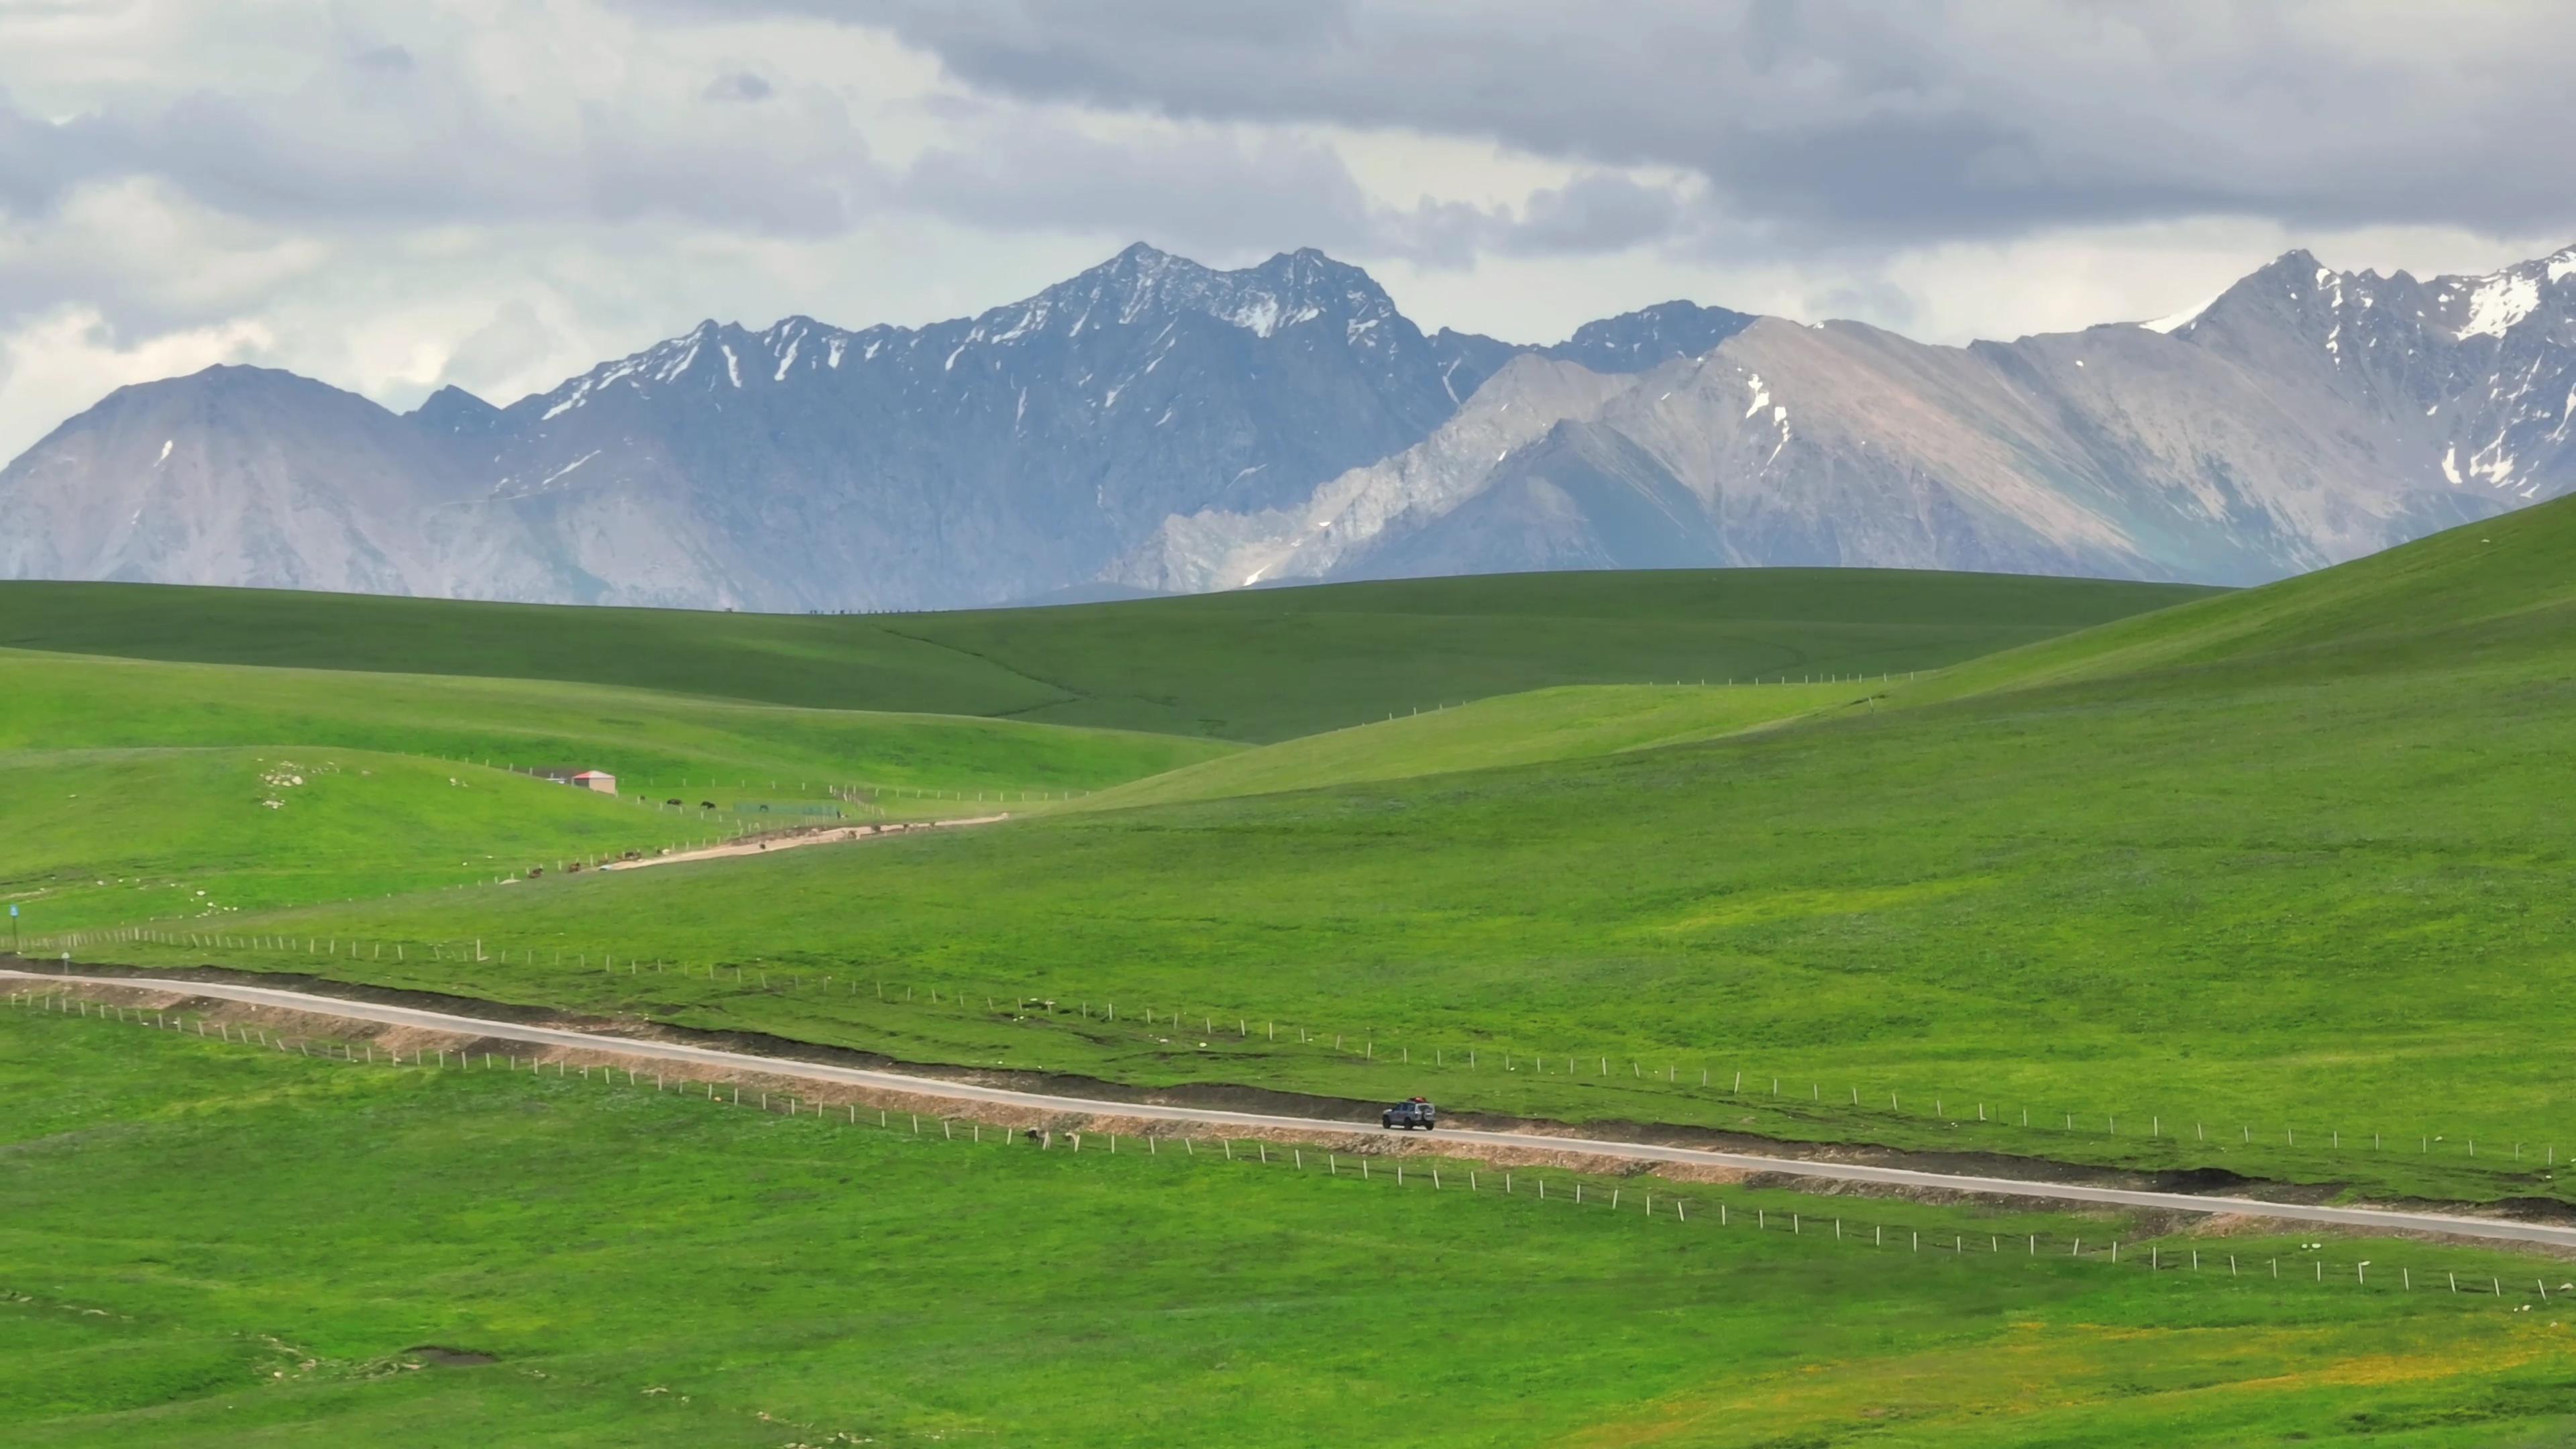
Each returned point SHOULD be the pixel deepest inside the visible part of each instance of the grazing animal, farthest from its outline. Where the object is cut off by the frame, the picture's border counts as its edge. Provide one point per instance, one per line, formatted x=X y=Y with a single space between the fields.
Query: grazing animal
x=706 y=804
x=670 y=802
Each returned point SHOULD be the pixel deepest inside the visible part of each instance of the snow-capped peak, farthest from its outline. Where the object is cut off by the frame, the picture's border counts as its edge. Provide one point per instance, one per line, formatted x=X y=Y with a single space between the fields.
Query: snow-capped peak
x=1290 y=289
x=2176 y=321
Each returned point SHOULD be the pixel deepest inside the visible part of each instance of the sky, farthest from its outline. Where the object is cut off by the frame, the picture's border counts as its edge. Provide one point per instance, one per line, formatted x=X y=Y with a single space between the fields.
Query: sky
x=497 y=194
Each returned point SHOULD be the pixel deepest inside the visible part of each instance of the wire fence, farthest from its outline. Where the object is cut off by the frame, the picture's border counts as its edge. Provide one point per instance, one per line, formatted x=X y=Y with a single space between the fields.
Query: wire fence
x=2528 y=1156
x=1701 y=1207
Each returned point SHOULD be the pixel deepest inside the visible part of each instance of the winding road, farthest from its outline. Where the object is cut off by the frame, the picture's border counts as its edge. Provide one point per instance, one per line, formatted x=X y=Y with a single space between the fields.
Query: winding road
x=2378 y=1219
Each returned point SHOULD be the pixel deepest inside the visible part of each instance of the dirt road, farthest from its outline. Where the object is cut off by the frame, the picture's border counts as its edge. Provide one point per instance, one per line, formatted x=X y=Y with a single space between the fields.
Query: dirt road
x=2368 y=1219
x=834 y=835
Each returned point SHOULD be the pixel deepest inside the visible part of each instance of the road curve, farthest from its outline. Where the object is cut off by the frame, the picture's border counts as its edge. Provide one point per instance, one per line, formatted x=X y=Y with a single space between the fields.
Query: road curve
x=2381 y=1219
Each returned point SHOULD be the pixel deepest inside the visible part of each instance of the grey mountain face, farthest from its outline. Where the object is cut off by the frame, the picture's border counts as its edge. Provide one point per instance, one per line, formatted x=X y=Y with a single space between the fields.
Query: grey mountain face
x=245 y=475
x=2303 y=418
x=1629 y=342
x=2478 y=371
x=1636 y=341
x=987 y=458
x=1157 y=425
x=805 y=466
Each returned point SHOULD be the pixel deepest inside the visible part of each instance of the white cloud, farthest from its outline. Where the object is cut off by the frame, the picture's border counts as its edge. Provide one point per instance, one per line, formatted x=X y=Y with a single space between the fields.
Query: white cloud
x=58 y=364
x=498 y=194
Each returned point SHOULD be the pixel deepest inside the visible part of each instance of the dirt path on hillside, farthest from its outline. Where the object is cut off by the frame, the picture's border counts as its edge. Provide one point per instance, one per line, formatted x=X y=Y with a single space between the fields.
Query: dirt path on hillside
x=792 y=839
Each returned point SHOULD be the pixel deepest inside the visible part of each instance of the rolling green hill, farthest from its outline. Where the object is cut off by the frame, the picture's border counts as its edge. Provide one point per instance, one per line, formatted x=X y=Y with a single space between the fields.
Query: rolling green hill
x=1568 y=722
x=1263 y=659
x=1258 y=666
x=215 y=1245
x=2299 y=895
x=201 y=836
x=120 y=770
x=653 y=742
x=2498 y=593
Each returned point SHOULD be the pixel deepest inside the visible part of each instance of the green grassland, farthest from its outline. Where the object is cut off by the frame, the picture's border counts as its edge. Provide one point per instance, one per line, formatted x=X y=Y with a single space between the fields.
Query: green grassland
x=655 y=743
x=1565 y=723
x=2497 y=594
x=135 y=788
x=1259 y=666
x=204 y=1244
x=2272 y=894
x=188 y=835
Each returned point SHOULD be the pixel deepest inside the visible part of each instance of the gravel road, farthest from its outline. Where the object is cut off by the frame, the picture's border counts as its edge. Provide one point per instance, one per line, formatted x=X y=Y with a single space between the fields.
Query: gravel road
x=2373 y=1219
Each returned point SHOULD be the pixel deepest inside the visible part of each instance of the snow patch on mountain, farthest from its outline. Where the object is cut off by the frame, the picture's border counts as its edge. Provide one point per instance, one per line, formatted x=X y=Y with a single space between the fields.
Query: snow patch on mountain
x=2498 y=302
x=2175 y=321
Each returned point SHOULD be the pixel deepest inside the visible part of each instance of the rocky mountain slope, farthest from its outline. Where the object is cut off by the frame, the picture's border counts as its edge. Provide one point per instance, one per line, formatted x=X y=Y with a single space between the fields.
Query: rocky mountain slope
x=252 y=476
x=1154 y=424
x=2302 y=418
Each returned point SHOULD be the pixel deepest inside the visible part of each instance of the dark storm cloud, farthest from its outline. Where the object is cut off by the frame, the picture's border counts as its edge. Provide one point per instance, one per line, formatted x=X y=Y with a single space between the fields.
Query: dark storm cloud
x=1592 y=213
x=1865 y=120
x=1746 y=128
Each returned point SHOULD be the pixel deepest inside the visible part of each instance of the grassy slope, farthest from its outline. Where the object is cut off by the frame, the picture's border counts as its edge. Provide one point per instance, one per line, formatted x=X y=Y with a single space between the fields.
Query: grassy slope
x=653 y=742
x=211 y=1245
x=101 y=836
x=1568 y=722
x=2276 y=893
x=747 y=755
x=139 y=771
x=2497 y=593
x=1260 y=666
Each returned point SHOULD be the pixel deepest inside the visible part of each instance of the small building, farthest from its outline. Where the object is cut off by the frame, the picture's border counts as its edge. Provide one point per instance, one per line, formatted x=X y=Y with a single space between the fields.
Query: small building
x=600 y=780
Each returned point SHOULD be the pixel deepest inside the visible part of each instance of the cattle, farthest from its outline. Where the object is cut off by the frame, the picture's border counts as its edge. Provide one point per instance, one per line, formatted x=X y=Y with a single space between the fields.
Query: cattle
x=673 y=803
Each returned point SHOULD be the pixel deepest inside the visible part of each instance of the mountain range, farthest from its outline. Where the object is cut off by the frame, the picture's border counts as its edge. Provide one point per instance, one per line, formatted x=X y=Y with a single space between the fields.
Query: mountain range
x=1156 y=425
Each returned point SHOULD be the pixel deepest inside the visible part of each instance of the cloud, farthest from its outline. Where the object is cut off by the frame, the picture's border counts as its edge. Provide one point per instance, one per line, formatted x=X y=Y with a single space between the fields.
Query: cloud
x=740 y=85
x=1866 y=122
x=384 y=60
x=500 y=350
x=1595 y=212
x=69 y=359
x=437 y=135
x=389 y=195
x=1215 y=194
x=147 y=257
x=1224 y=193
